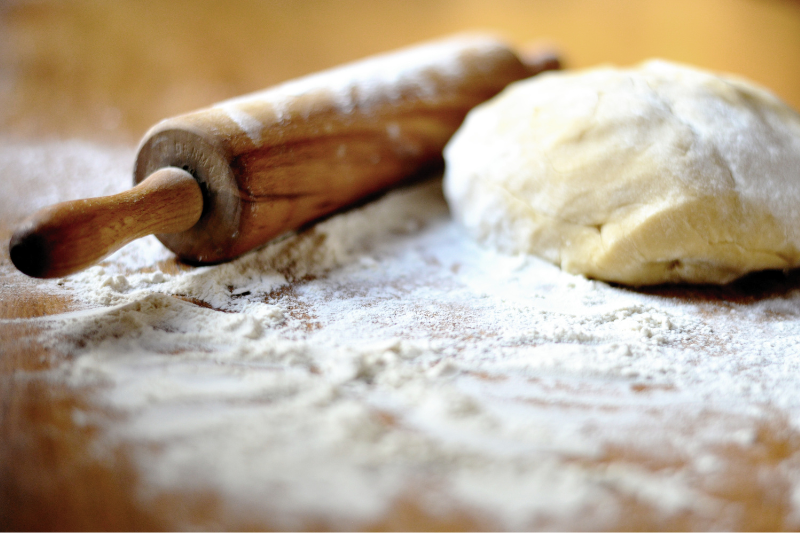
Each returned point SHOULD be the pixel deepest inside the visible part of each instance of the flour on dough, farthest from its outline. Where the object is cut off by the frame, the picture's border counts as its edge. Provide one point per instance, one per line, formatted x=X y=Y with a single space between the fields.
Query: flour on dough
x=660 y=173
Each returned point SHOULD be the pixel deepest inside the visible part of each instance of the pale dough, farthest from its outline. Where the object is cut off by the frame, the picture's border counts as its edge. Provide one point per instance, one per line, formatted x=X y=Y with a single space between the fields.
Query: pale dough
x=660 y=173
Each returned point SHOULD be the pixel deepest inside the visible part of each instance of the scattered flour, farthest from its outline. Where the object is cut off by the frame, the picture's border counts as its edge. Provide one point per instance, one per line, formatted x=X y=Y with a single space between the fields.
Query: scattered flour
x=381 y=356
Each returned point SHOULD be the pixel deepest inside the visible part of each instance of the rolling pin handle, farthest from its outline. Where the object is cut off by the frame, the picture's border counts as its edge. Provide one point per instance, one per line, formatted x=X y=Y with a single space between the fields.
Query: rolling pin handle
x=71 y=236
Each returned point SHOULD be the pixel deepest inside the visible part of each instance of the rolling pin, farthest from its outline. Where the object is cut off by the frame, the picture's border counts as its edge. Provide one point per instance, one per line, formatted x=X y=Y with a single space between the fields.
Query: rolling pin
x=218 y=182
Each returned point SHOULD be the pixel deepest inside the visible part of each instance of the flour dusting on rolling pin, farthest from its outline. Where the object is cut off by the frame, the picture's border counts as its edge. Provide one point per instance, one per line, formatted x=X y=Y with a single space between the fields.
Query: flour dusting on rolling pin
x=218 y=182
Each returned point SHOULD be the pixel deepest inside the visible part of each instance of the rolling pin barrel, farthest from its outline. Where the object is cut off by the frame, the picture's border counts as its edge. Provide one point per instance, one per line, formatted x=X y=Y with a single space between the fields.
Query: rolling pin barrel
x=274 y=160
x=249 y=169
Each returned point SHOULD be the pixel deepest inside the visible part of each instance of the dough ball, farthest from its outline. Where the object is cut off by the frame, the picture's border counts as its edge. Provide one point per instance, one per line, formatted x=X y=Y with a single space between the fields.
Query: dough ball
x=661 y=173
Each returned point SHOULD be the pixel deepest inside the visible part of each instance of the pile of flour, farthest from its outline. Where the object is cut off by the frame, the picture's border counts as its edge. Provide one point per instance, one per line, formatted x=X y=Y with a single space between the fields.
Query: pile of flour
x=382 y=357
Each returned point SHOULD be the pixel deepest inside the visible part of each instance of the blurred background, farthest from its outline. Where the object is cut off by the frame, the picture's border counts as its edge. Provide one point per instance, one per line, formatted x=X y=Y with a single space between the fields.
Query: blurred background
x=108 y=70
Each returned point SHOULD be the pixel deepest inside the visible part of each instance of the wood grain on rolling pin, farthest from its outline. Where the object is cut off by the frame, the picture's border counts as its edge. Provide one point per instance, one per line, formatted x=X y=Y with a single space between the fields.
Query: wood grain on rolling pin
x=274 y=160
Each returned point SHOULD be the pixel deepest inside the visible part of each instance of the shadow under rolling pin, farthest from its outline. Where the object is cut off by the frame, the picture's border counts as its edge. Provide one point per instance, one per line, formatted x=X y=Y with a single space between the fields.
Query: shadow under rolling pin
x=218 y=182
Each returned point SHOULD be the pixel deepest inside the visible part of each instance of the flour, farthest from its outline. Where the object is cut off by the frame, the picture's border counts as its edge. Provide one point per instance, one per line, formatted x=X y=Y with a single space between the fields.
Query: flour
x=249 y=124
x=382 y=357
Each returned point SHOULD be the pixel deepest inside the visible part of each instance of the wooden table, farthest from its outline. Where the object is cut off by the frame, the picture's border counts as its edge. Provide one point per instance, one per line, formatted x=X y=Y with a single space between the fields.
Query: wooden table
x=105 y=71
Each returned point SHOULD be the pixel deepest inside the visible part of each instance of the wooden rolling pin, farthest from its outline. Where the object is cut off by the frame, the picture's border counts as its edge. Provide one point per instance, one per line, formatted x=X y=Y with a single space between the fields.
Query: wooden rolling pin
x=223 y=180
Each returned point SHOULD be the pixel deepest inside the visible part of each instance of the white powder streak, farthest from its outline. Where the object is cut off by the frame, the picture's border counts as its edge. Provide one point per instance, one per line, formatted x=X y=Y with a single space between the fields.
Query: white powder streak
x=251 y=126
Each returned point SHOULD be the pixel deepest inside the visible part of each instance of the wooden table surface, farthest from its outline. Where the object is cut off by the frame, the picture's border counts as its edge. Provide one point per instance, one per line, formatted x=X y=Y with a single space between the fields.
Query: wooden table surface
x=105 y=71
